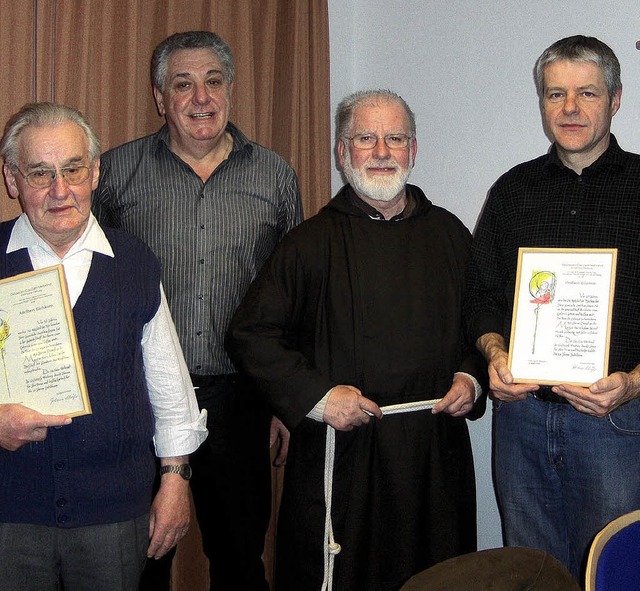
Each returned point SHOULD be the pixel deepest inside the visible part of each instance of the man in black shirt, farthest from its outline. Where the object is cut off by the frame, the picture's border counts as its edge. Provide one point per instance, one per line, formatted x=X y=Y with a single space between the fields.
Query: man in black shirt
x=566 y=456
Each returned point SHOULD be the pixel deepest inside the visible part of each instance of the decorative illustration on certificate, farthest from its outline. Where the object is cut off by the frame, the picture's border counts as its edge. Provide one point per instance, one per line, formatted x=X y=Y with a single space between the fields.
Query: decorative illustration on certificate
x=543 y=289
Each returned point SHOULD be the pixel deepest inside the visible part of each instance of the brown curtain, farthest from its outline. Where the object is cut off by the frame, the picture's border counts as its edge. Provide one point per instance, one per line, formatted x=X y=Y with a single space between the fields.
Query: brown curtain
x=94 y=55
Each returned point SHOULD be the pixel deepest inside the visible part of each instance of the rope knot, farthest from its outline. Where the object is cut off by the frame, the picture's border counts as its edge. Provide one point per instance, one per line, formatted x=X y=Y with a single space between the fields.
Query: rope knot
x=334 y=548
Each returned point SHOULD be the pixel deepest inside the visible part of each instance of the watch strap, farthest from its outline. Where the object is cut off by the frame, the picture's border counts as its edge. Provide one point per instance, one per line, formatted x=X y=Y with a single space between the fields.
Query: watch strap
x=183 y=470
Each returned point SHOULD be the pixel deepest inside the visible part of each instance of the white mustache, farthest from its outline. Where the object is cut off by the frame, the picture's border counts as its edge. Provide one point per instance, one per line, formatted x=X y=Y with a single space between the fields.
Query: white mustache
x=382 y=164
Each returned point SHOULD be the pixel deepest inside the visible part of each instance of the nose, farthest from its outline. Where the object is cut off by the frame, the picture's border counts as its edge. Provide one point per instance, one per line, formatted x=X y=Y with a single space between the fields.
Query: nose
x=381 y=150
x=59 y=188
x=570 y=104
x=200 y=94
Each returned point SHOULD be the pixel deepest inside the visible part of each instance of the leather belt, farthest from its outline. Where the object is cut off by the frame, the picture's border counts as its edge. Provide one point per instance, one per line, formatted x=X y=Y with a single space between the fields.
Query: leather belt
x=545 y=394
x=210 y=381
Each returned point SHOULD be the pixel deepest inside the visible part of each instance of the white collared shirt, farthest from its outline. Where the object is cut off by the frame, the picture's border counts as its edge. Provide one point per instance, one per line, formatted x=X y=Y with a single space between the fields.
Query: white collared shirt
x=180 y=427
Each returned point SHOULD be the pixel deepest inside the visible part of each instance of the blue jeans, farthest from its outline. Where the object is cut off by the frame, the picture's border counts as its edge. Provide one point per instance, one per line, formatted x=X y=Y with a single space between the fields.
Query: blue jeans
x=562 y=475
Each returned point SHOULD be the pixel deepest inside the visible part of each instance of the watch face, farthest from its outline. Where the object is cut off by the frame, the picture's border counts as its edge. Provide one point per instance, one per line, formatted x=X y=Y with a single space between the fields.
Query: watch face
x=186 y=471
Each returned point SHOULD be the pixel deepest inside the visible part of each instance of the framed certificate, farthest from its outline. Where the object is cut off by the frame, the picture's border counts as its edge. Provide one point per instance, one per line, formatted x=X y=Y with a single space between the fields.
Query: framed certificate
x=40 y=364
x=562 y=315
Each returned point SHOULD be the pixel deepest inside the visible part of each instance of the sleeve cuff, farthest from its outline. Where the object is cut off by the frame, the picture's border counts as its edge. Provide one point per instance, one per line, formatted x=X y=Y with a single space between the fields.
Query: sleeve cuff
x=317 y=412
x=181 y=440
x=476 y=384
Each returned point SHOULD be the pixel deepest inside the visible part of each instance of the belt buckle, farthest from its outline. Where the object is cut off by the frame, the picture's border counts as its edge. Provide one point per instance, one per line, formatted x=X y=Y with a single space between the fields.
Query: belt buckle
x=545 y=394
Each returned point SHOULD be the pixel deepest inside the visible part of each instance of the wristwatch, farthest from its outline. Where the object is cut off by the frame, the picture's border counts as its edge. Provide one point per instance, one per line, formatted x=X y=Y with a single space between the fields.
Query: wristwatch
x=183 y=469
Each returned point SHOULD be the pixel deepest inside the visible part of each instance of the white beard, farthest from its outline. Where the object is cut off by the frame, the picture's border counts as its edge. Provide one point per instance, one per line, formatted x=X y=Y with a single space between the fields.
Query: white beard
x=379 y=187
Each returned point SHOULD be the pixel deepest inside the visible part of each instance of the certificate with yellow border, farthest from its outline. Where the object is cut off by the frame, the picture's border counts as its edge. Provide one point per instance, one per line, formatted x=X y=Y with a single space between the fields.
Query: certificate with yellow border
x=40 y=363
x=562 y=315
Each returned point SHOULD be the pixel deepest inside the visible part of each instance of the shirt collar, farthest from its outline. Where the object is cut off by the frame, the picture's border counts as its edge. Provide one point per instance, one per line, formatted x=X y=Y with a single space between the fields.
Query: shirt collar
x=93 y=239
x=374 y=214
x=614 y=157
x=240 y=141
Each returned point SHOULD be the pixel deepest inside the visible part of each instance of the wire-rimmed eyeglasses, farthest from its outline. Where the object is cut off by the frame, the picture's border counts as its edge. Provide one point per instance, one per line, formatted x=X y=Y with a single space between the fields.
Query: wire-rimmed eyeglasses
x=42 y=178
x=368 y=141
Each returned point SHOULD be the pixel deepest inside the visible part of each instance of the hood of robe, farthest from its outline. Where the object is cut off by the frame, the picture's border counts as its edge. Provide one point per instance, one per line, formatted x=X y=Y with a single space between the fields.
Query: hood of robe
x=345 y=202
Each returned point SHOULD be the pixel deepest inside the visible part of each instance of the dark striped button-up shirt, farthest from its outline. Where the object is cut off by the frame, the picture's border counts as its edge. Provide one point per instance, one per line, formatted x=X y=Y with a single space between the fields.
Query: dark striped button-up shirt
x=211 y=237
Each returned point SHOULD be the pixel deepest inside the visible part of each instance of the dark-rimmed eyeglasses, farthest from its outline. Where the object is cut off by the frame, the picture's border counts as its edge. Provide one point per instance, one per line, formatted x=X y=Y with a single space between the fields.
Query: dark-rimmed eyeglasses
x=42 y=178
x=368 y=141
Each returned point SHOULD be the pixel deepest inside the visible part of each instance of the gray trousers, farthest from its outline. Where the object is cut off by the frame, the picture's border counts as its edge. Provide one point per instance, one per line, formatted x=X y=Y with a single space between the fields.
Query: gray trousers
x=106 y=557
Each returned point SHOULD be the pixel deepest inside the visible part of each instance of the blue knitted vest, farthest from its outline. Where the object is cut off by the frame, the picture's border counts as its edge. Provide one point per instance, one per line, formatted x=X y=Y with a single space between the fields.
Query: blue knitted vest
x=100 y=468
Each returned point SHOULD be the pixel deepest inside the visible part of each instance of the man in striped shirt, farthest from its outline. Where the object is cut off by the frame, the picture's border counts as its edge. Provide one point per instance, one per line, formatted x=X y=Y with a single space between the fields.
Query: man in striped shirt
x=212 y=205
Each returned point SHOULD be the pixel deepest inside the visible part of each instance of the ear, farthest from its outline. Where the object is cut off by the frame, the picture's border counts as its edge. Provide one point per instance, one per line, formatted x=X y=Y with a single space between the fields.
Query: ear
x=414 y=149
x=10 y=181
x=615 y=101
x=341 y=154
x=95 y=174
x=157 y=95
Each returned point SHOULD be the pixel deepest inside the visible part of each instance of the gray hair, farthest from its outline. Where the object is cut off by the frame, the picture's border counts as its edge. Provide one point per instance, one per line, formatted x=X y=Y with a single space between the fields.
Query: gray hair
x=346 y=108
x=189 y=40
x=580 y=49
x=43 y=115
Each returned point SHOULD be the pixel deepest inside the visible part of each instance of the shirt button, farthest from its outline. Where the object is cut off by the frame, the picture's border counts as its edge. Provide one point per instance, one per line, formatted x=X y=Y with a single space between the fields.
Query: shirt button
x=201 y=297
x=201 y=261
x=59 y=465
x=202 y=226
x=573 y=212
x=61 y=502
x=63 y=518
x=199 y=333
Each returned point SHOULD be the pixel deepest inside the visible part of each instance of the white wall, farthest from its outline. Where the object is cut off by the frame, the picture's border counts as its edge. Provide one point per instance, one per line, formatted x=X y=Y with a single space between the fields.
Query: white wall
x=465 y=68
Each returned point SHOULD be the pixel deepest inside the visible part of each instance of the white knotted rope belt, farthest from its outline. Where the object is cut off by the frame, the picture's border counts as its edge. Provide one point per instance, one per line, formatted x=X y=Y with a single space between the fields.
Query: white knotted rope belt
x=331 y=547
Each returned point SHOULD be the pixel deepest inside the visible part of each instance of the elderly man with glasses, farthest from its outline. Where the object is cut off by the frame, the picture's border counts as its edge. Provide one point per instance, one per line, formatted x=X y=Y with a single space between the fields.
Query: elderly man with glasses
x=356 y=316
x=76 y=508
